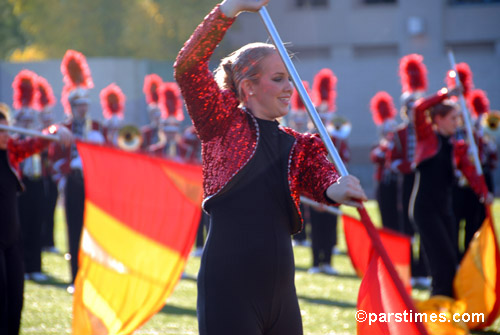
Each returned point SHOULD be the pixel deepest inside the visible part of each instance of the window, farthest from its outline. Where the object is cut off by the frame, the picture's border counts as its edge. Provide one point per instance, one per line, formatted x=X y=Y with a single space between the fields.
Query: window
x=311 y=3
x=310 y=52
x=476 y=47
x=462 y=2
x=369 y=2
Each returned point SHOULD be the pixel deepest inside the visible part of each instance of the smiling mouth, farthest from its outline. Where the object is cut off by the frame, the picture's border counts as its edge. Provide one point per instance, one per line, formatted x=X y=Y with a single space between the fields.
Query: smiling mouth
x=285 y=100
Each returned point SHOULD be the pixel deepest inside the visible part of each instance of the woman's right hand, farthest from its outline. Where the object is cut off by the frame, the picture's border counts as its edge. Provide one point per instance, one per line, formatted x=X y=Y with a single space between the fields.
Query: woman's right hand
x=231 y=8
x=347 y=190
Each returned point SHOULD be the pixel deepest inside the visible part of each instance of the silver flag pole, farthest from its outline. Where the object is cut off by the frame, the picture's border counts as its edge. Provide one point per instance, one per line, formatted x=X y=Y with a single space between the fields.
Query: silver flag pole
x=30 y=132
x=466 y=117
x=330 y=209
x=334 y=155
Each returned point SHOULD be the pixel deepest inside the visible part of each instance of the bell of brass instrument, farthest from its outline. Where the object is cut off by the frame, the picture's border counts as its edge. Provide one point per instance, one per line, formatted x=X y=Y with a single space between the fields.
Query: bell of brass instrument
x=129 y=138
x=490 y=124
x=341 y=127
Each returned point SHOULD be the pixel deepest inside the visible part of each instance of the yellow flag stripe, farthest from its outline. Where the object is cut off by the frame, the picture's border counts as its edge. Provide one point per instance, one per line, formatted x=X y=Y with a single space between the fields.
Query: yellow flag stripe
x=99 y=307
x=138 y=253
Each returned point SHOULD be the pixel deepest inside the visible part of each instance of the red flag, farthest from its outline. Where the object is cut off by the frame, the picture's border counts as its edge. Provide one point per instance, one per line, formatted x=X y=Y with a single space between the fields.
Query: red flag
x=477 y=281
x=360 y=248
x=141 y=216
x=381 y=309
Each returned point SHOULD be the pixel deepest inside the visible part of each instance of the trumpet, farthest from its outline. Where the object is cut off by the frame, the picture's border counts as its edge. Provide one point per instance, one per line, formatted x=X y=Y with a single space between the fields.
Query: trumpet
x=129 y=138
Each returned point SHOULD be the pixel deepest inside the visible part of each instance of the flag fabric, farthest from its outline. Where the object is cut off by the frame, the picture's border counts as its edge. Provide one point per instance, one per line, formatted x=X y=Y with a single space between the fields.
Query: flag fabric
x=140 y=222
x=384 y=305
x=477 y=281
x=360 y=248
x=381 y=310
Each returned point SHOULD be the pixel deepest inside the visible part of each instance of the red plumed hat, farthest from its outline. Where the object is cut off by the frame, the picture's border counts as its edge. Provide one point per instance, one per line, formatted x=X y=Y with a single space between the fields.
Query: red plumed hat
x=479 y=103
x=170 y=101
x=324 y=89
x=413 y=73
x=152 y=83
x=24 y=87
x=112 y=101
x=44 y=95
x=297 y=104
x=465 y=75
x=76 y=77
x=76 y=71
x=382 y=107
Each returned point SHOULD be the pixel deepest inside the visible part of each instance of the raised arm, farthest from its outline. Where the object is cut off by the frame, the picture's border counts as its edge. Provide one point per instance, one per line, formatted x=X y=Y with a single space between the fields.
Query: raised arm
x=199 y=89
x=207 y=104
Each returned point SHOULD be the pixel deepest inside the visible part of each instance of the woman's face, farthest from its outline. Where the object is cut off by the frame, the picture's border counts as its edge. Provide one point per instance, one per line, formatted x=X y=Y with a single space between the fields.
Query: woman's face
x=269 y=96
x=447 y=125
x=4 y=136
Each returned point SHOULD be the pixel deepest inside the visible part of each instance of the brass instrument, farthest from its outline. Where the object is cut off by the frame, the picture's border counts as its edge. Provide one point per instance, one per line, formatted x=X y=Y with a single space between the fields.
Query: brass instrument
x=341 y=127
x=490 y=124
x=129 y=138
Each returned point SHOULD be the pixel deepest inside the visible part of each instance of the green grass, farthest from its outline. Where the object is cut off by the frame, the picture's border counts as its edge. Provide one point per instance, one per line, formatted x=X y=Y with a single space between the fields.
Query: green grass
x=327 y=303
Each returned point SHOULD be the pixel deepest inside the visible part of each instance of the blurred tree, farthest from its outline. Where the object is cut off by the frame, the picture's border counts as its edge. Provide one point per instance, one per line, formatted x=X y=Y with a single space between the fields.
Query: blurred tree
x=10 y=30
x=153 y=29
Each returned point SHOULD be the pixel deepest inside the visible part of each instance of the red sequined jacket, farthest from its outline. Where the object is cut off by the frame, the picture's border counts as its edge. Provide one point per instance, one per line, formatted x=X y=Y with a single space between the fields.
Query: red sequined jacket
x=18 y=150
x=428 y=144
x=229 y=134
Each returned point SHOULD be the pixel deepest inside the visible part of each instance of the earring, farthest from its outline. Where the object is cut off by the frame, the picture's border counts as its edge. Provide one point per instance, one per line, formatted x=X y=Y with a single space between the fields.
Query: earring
x=251 y=93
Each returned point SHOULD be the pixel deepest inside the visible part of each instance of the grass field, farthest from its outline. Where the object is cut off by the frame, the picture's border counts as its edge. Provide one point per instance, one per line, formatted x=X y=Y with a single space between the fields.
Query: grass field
x=328 y=303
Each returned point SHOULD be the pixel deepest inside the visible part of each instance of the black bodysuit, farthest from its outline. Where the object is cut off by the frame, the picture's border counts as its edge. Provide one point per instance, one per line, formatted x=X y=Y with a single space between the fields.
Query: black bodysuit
x=433 y=215
x=246 y=279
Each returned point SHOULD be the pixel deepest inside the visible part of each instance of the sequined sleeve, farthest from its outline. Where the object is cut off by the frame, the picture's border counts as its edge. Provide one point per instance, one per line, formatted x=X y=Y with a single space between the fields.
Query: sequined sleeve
x=208 y=105
x=316 y=172
x=22 y=149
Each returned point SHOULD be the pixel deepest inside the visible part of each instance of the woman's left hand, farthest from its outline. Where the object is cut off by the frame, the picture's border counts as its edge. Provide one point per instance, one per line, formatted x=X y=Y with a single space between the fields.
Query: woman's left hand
x=348 y=191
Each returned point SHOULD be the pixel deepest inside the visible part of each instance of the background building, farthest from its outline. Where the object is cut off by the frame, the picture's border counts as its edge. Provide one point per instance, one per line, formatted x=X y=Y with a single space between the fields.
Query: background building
x=360 y=40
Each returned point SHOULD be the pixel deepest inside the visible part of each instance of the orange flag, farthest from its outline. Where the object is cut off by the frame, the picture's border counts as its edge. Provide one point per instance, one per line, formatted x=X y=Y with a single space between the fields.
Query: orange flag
x=141 y=216
x=477 y=281
x=360 y=249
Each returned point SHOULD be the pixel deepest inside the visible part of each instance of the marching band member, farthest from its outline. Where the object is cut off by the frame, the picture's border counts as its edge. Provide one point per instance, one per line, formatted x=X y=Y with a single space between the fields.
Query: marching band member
x=78 y=80
x=170 y=103
x=298 y=118
x=45 y=100
x=252 y=180
x=12 y=152
x=113 y=106
x=480 y=110
x=324 y=224
x=383 y=114
x=150 y=132
x=30 y=201
x=466 y=204
x=437 y=154
x=413 y=75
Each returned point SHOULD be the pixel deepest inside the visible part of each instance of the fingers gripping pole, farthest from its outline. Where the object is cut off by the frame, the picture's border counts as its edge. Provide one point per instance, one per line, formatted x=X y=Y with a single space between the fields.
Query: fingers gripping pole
x=311 y=110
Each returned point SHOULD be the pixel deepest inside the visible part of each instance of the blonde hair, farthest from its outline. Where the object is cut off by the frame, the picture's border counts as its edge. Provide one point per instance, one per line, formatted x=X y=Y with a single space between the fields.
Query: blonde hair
x=242 y=64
